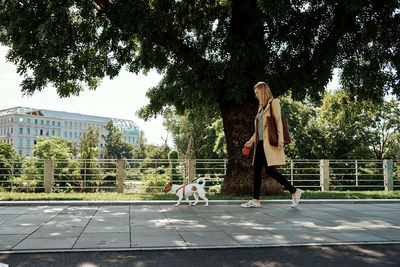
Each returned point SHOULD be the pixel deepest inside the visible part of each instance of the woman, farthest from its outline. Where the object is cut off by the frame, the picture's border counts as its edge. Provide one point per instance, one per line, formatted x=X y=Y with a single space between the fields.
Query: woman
x=265 y=154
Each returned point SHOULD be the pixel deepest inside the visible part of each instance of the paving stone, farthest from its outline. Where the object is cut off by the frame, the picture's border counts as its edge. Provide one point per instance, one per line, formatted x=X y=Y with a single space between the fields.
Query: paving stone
x=152 y=231
x=51 y=243
x=207 y=227
x=208 y=239
x=387 y=233
x=29 y=219
x=113 y=220
x=8 y=241
x=14 y=210
x=103 y=240
x=106 y=228
x=158 y=241
x=303 y=237
x=200 y=208
x=57 y=232
x=260 y=239
x=355 y=236
x=7 y=217
x=18 y=230
x=89 y=211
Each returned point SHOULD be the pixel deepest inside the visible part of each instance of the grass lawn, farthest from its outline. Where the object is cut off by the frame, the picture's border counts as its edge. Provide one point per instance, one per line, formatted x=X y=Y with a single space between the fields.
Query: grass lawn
x=106 y=196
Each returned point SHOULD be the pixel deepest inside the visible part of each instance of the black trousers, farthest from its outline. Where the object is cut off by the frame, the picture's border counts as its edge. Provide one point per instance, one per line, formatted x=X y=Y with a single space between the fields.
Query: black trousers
x=259 y=162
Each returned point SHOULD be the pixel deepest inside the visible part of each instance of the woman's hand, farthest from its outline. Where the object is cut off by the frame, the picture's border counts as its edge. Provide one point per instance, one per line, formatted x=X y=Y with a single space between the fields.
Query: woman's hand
x=280 y=145
x=249 y=144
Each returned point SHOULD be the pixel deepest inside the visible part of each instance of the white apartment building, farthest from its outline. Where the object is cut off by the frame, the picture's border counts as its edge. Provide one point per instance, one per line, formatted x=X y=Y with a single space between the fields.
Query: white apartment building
x=22 y=126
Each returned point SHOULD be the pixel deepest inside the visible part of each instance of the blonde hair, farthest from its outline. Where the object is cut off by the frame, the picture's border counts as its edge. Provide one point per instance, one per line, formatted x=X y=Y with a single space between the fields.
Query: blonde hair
x=266 y=94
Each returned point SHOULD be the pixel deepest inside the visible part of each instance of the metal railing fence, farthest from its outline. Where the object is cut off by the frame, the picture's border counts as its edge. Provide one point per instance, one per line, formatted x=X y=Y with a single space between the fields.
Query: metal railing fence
x=151 y=175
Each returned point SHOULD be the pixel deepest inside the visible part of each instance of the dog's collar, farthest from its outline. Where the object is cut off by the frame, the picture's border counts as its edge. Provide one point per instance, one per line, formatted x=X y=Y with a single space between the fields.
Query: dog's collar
x=183 y=186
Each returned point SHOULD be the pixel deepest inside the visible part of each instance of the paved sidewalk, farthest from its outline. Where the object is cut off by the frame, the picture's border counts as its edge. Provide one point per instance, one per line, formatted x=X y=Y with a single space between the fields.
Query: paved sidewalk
x=159 y=226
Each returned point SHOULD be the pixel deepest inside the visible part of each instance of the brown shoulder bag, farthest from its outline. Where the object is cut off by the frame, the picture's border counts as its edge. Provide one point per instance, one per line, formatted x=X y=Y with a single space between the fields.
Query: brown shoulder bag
x=273 y=132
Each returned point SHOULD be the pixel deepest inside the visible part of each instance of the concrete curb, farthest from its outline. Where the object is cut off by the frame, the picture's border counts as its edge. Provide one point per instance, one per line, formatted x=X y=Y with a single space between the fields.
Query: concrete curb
x=172 y=202
x=325 y=244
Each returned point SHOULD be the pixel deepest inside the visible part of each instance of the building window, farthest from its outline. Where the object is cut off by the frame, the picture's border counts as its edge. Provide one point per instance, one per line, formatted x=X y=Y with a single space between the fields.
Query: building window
x=21 y=119
x=20 y=142
x=21 y=130
x=35 y=121
x=34 y=142
x=41 y=132
x=58 y=133
x=42 y=122
x=20 y=151
x=65 y=134
x=47 y=132
x=65 y=124
x=28 y=142
x=53 y=123
x=53 y=133
x=28 y=120
x=28 y=130
x=59 y=124
x=70 y=125
x=75 y=135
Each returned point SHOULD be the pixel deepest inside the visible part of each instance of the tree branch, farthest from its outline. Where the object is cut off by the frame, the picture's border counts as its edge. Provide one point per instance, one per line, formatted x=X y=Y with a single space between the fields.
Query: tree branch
x=166 y=37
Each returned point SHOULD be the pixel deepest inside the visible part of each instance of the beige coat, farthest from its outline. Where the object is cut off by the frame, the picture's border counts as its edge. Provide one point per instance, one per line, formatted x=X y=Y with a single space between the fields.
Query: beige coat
x=272 y=153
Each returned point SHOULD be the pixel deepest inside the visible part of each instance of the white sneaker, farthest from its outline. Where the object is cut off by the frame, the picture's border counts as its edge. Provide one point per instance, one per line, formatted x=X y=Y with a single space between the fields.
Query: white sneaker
x=251 y=204
x=296 y=198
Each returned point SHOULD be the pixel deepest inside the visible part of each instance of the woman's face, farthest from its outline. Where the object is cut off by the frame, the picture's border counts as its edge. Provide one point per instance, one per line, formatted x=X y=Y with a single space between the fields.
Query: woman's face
x=258 y=94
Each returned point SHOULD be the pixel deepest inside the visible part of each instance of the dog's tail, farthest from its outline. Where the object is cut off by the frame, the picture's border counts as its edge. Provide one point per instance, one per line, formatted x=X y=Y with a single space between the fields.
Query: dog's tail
x=201 y=180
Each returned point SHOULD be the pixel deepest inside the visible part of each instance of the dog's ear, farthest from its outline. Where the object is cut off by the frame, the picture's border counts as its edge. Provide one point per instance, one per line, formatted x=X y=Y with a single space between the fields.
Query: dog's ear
x=168 y=187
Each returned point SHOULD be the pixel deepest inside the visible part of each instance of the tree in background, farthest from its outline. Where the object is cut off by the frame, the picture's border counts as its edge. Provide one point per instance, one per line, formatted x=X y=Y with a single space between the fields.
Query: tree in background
x=307 y=137
x=196 y=136
x=115 y=147
x=10 y=164
x=383 y=129
x=89 y=143
x=211 y=52
x=54 y=148
x=63 y=153
x=89 y=151
x=357 y=128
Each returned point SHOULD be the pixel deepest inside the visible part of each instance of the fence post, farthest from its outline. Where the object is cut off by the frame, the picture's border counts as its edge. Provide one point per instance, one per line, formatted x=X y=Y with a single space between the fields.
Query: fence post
x=324 y=174
x=120 y=175
x=192 y=170
x=388 y=174
x=291 y=171
x=48 y=175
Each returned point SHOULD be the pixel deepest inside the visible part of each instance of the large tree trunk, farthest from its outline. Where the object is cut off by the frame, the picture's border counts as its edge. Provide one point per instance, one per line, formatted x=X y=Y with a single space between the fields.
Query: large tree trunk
x=238 y=119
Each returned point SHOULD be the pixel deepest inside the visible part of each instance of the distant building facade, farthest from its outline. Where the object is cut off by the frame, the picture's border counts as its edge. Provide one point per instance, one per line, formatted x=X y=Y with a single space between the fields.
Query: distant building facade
x=22 y=127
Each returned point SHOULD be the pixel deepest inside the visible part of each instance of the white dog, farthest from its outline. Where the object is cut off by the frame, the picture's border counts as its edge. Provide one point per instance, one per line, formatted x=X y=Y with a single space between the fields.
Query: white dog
x=188 y=190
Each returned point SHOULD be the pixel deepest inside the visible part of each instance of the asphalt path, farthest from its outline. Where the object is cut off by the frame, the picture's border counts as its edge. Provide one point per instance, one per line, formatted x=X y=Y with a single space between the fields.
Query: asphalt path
x=346 y=255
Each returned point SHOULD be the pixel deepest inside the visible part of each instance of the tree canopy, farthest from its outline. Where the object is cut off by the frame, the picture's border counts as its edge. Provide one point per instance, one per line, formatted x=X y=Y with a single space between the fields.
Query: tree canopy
x=211 y=52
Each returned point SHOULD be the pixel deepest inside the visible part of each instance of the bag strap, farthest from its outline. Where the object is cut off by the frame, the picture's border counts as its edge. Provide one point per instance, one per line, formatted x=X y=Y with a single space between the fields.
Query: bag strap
x=270 y=108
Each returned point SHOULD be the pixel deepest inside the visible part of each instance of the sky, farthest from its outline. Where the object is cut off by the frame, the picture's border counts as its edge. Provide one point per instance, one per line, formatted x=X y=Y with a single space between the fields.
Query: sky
x=119 y=98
